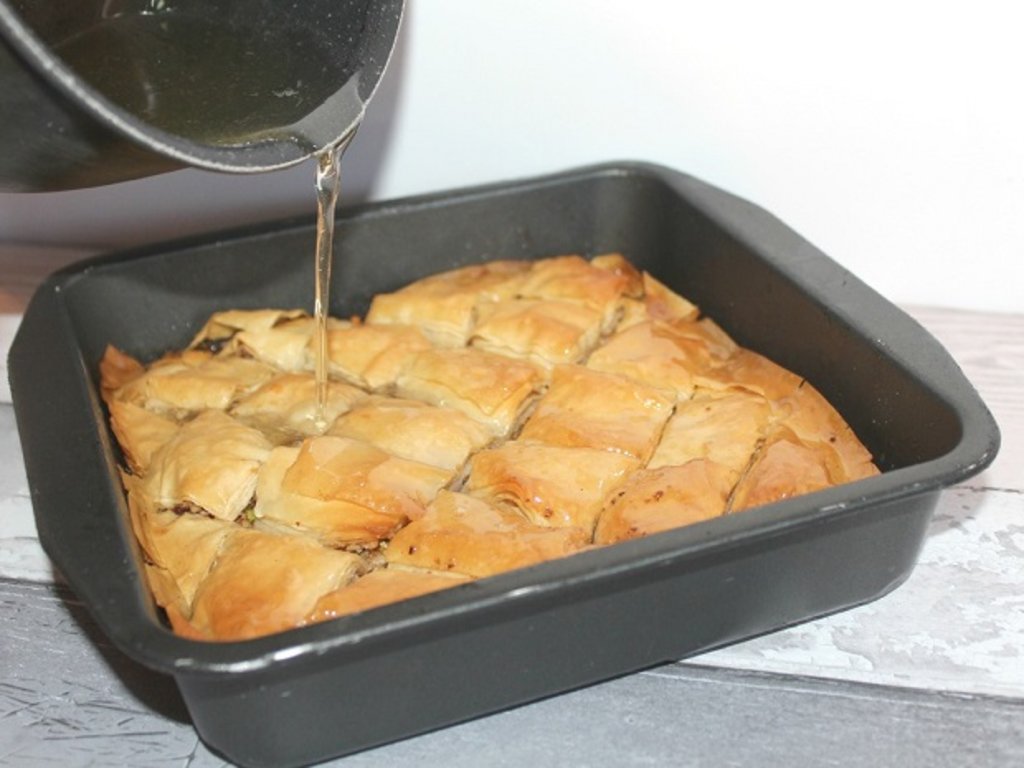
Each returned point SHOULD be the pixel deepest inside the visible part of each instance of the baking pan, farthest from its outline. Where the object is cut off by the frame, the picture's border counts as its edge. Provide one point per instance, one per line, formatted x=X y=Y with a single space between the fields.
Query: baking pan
x=333 y=688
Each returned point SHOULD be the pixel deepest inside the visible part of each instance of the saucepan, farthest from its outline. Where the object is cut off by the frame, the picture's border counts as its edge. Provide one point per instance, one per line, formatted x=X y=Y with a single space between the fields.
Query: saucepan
x=99 y=91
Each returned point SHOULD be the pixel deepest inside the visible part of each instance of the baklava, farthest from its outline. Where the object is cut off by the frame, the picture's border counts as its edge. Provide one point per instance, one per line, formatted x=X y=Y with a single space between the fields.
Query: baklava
x=477 y=421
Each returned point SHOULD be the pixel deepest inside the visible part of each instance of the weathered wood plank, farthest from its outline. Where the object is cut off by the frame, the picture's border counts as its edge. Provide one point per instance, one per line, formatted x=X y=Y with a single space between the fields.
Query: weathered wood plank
x=957 y=624
x=21 y=557
x=989 y=347
x=67 y=697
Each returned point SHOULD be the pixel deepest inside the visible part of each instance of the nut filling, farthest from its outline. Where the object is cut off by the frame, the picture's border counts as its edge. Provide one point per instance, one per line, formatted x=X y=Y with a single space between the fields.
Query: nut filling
x=479 y=420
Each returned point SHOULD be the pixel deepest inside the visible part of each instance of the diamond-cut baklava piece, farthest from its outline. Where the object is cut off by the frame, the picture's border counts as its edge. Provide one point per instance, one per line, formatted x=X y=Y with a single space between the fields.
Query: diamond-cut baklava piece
x=209 y=464
x=117 y=369
x=723 y=427
x=662 y=355
x=346 y=493
x=179 y=547
x=467 y=535
x=544 y=332
x=444 y=305
x=785 y=467
x=262 y=583
x=590 y=409
x=220 y=581
x=632 y=280
x=489 y=388
x=286 y=406
x=572 y=278
x=380 y=587
x=797 y=406
x=222 y=327
x=656 y=500
x=551 y=485
x=749 y=371
x=410 y=429
x=139 y=432
x=194 y=380
x=658 y=303
x=277 y=337
x=372 y=356
x=813 y=419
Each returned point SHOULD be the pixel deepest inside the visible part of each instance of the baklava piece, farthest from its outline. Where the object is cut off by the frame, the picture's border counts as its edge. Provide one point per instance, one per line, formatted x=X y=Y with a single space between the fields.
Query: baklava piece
x=410 y=429
x=280 y=338
x=669 y=357
x=262 y=583
x=139 y=432
x=542 y=331
x=792 y=464
x=285 y=407
x=210 y=464
x=725 y=427
x=751 y=372
x=117 y=369
x=444 y=305
x=785 y=467
x=813 y=419
x=664 y=304
x=222 y=327
x=179 y=548
x=372 y=356
x=631 y=279
x=469 y=536
x=551 y=486
x=381 y=587
x=221 y=581
x=572 y=278
x=343 y=492
x=491 y=389
x=656 y=500
x=658 y=303
x=590 y=409
x=181 y=385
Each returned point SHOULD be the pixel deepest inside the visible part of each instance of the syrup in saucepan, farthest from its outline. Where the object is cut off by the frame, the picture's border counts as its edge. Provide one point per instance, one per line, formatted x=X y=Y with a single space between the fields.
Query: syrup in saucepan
x=220 y=73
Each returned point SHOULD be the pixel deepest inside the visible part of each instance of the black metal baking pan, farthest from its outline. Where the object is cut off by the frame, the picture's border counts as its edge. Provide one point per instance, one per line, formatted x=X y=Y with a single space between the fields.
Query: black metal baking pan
x=321 y=691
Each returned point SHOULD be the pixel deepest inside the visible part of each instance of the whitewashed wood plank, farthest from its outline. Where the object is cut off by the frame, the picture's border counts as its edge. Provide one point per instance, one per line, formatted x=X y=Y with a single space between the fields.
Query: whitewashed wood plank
x=67 y=698
x=989 y=347
x=21 y=556
x=957 y=624
x=8 y=327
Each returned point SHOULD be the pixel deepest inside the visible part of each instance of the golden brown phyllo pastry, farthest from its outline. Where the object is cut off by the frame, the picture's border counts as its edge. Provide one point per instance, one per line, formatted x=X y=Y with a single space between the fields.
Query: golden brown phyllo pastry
x=480 y=420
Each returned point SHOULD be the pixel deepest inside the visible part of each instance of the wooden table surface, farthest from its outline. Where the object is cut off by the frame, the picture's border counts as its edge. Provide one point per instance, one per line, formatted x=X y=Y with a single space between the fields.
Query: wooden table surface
x=930 y=675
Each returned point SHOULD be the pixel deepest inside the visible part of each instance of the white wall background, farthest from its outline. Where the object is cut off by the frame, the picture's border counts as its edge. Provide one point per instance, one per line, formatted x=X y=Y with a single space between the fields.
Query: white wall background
x=890 y=134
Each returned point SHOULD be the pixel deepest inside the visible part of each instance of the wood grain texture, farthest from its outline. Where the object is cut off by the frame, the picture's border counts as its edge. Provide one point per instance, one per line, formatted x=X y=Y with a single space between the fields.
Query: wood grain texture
x=21 y=557
x=956 y=624
x=989 y=347
x=90 y=706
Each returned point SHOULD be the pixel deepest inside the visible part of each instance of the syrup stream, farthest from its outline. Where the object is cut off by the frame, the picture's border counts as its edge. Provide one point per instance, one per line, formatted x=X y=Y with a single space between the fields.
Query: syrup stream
x=328 y=178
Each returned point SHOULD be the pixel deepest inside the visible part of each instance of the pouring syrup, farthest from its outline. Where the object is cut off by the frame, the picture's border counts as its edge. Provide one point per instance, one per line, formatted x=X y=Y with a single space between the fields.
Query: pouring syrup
x=328 y=183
